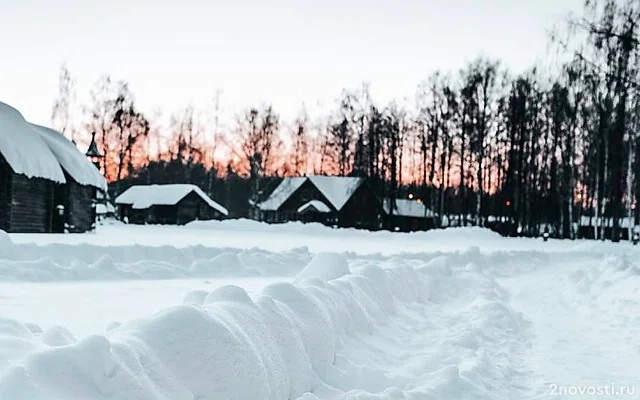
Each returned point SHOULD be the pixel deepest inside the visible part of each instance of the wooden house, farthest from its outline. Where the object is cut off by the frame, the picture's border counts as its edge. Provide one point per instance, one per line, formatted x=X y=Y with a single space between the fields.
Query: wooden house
x=75 y=201
x=408 y=215
x=29 y=173
x=331 y=200
x=174 y=204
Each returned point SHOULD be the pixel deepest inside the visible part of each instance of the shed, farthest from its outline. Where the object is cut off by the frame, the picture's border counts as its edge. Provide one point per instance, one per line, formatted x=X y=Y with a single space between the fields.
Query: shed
x=173 y=204
x=408 y=215
x=75 y=201
x=29 y=171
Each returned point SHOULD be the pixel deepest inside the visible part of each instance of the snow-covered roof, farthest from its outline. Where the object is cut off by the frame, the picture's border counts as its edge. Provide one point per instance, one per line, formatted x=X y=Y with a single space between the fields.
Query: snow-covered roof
x=281 y=193
x=337 y=189
x=24 y=149
x=145 y=196
x=408 y=208
x=71 y=159
x=316 y=204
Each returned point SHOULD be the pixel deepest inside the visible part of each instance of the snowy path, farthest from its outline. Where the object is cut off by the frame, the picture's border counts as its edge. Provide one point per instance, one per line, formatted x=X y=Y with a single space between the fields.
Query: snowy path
x=584 y=318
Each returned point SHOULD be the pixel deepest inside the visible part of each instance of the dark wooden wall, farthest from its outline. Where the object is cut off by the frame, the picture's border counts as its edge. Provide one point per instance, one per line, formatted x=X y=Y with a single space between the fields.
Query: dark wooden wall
x=362 y=210
x=79 y=208
x=32 y=205
x=409 y=224
x=5 y=193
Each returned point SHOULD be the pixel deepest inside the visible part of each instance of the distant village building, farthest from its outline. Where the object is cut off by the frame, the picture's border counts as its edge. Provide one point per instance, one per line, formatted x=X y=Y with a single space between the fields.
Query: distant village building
x=408 y=215
x=331 y=200
x=41 y=179
x=173 y=204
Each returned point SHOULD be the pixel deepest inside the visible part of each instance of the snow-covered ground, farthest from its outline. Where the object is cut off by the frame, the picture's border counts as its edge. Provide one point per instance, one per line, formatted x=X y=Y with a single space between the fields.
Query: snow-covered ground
x=248 y=234
x=240 y=310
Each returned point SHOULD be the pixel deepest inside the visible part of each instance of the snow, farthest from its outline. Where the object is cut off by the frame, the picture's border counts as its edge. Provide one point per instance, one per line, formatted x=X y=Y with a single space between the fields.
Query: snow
x=71 y=159
x=337 y=189
x=102 y=209
x=145 y=196
x=447 y=314
x=313 y=237
x=64 y=263
x=50 y=304
x=325 y=266
x=315 y=205
x=408 y=208
x=24 y=149
x=282 y=192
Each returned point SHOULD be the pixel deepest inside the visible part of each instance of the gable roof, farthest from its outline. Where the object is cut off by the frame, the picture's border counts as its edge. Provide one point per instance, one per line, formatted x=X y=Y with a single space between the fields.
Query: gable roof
x=408 y=208
x=24 y=149
x=281 y=193
x=337 y=189
x=71 y=159
x=145 y=196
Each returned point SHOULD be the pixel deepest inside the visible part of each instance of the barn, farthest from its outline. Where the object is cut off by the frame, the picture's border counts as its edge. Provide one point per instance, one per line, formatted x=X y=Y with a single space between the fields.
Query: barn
x=408 y=215
x=29 y=174
x=331 y=200
x=75 y=201
x=173 y=204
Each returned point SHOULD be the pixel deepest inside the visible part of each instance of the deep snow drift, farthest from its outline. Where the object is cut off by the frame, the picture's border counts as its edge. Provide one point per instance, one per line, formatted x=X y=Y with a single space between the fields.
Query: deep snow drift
x=372 y=330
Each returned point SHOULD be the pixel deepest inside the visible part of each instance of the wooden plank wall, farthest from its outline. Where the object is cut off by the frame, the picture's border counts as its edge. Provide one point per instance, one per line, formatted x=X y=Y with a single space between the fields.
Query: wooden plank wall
x=32 y=206
x=80 y=211
x=5 y=193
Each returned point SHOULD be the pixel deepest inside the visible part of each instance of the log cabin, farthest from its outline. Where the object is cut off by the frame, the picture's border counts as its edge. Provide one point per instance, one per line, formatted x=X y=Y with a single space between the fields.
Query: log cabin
x=172 y=204
x=29 y=173
x=330 y=200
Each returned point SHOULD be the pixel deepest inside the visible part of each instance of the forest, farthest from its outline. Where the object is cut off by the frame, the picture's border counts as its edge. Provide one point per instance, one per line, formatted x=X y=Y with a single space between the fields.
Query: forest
x=556 y=147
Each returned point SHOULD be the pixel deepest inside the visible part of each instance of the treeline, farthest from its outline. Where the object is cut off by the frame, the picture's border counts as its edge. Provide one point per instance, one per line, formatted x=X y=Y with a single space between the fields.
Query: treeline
x=539 y=150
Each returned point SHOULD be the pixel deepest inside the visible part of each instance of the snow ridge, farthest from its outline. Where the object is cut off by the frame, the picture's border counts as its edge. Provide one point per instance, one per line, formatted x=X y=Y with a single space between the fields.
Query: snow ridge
x=55 y=263
x=308 y=341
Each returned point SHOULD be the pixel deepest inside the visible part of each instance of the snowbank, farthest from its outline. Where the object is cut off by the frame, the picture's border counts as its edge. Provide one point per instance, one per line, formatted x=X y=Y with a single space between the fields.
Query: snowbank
x=349 y=337
x=6 y=245
x=84 y=262
x=315 y=237
x=463 y=234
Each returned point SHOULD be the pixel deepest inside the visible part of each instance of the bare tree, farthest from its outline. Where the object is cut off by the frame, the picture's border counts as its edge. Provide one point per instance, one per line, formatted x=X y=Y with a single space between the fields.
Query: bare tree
x=61 y=113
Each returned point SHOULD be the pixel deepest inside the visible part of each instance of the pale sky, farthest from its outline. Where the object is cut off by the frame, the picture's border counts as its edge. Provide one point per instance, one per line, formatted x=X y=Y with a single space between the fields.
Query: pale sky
x=284 y=52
